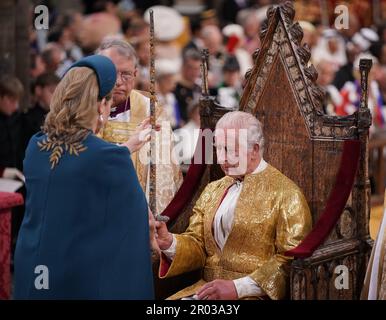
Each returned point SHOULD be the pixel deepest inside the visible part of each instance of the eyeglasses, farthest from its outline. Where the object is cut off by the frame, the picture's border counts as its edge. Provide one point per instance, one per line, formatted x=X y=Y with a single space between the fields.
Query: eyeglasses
x=125 y=76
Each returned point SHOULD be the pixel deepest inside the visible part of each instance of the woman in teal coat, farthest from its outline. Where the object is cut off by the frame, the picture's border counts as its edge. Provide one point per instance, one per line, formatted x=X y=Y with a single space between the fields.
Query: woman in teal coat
x=85 y=234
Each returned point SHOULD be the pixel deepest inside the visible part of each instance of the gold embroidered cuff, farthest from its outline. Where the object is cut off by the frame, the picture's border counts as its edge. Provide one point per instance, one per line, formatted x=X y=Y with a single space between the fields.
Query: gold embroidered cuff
x=189 y=256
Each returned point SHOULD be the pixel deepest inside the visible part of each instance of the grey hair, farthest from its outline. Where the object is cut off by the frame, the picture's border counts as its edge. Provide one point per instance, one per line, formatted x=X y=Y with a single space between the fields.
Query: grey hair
x=244 y=120
x=244 y=15
x=191 y=54
x=121 y=46
x=210 y=30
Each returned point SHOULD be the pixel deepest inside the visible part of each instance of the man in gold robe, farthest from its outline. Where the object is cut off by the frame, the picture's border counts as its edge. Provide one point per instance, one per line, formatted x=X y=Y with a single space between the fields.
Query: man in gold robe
x=241 y=225
x=130 y=108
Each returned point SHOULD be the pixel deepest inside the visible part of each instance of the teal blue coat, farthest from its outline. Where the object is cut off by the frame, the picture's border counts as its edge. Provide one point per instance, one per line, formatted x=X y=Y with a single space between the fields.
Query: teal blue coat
x=86 y=222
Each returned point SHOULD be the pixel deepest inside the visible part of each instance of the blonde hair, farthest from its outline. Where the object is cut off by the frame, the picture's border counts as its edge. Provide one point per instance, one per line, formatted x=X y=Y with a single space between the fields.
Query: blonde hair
x=73 y=106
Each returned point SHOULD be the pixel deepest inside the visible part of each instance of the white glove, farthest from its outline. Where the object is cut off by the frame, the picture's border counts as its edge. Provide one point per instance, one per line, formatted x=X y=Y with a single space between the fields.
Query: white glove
x=13 y=174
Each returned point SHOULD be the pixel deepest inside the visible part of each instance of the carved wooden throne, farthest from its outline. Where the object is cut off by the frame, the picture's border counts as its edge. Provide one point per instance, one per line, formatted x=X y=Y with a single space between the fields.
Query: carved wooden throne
x=326 y=156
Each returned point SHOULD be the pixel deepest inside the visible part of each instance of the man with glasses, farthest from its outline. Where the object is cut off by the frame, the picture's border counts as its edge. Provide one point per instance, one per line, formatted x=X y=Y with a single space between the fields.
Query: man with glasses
x=130 y=107
x=125 y=60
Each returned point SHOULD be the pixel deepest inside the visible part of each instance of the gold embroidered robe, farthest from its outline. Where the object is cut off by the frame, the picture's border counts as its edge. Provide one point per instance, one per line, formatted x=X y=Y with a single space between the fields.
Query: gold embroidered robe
x=271 y=217
x=169 y=176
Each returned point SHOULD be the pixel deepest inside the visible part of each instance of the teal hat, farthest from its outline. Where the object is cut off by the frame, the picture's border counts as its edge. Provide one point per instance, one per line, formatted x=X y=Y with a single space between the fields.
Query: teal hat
x=104 y=69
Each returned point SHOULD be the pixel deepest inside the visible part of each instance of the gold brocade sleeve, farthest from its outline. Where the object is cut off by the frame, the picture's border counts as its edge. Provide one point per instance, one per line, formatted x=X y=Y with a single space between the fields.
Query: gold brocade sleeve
x=190 y=251
x=294 y=222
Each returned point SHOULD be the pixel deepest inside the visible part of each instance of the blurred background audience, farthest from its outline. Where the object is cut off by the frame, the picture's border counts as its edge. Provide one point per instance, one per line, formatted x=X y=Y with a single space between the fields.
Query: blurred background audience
x=229 y=29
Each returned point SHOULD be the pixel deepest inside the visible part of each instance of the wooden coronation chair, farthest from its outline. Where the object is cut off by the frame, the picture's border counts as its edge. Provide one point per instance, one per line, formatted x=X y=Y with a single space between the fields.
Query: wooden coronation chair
x=326 y=156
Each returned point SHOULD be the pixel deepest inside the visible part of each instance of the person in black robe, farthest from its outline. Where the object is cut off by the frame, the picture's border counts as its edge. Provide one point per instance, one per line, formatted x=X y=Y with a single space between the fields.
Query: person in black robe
x=11 y=91
x=33 y=118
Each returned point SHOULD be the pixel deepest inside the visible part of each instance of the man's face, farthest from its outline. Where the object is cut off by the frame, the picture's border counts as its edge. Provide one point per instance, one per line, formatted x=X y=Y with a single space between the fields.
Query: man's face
x=251 y=26
x=58 y=55
x=39 y=67
x=232 y=78
x=143 y=53
x=333 y=45
x=326 y=73
x=126 y=73
x=191 y=70
x=167 y=83
x=44 y=95
x=233 y=154
x=213 y=41
x=8 y=105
